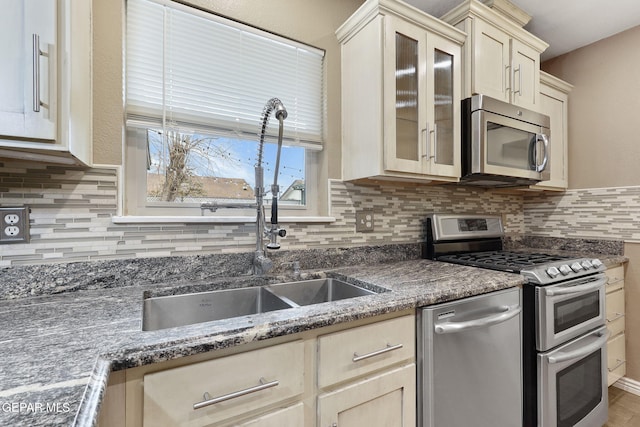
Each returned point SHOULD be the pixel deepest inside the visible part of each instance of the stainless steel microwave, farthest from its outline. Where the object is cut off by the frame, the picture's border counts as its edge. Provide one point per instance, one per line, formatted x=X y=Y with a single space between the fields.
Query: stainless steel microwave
x=503 y=145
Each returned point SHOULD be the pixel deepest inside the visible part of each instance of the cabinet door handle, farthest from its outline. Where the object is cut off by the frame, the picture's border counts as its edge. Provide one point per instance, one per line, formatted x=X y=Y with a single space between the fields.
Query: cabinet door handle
x=427 y=144
x=435 y=142
x=387 y=349
x=208 y=401
x=616 y=317
x=507 y=78
x=518 y=69
x=36 y=72
x=619 y=363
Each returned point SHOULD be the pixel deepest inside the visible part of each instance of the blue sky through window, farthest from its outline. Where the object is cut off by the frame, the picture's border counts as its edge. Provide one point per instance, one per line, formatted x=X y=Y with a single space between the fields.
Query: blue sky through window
x=226 y=157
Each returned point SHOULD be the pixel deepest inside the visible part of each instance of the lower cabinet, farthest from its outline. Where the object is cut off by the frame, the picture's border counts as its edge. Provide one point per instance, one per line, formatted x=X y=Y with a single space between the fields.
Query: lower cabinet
x=615 y=314
x=209 y=392
x=291 y=416
x=377 y=361
x=355 y=374
x=385 y=400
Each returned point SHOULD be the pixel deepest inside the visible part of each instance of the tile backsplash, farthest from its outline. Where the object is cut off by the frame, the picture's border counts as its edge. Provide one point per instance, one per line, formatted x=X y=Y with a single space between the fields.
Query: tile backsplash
x=71 y=211
x=599 y=213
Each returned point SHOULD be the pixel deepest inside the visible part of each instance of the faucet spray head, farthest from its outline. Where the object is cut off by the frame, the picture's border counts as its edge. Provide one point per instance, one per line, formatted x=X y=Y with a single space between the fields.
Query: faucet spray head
x=281 y=112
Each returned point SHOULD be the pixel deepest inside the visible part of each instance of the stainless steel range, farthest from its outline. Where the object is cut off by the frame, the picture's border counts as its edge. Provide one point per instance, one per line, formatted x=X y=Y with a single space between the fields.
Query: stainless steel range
x=563 y=318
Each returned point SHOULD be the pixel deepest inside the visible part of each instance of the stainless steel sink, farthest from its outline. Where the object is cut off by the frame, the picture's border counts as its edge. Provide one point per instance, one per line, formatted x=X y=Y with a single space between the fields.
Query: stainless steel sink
x=317 y=291
x=177 y=310
x=187 y=309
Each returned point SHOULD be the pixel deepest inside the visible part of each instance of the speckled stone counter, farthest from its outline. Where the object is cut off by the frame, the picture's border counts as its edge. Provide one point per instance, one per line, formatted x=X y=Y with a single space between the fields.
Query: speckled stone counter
x=59 y=348
x=56 y=346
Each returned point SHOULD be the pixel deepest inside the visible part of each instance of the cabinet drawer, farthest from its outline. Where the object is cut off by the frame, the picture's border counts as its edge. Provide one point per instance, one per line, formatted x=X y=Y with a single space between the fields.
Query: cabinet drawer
x=356 y=352
x=615 y=312
x=616 y=359
x=248 y=380
x=616 y=278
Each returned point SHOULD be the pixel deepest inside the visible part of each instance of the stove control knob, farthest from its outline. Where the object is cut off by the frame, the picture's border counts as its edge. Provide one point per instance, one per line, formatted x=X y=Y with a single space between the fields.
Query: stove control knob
x=576 y=267
x=565 y=269
x=553 y=272
x=586 y=264
x=596 y=263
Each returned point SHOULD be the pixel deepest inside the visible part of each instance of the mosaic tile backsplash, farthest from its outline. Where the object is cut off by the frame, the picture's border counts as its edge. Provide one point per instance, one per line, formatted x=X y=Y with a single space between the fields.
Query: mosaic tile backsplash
x=71 y=210
x=599 y=213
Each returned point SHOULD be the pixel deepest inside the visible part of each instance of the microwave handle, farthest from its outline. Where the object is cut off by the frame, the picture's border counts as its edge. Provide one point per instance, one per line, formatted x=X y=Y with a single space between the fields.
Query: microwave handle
x=545 y=145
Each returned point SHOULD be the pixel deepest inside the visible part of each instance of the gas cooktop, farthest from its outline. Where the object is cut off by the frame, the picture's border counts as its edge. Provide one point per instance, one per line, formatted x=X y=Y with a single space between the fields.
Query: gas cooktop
x=513 y=262
x=476 y=240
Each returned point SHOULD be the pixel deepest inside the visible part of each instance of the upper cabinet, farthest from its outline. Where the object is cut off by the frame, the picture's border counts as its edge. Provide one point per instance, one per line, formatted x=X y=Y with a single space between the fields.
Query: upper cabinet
x=554 y=102
x=401 y=92
x=502 y=60
x=45 y=80
x=28 y=72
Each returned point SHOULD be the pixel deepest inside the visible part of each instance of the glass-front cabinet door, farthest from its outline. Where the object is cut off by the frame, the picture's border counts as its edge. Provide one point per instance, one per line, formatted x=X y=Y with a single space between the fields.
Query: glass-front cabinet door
x=421 y=73
x=443 y=106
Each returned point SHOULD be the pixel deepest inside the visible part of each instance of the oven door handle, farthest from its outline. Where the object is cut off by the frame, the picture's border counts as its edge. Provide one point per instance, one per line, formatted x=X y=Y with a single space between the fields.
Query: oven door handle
x=567 y=290
x=582 y=352
x=507 y=312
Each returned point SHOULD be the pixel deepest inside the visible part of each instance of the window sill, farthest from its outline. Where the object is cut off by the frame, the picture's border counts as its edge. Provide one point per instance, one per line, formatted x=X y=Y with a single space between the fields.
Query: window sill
x=215 y=219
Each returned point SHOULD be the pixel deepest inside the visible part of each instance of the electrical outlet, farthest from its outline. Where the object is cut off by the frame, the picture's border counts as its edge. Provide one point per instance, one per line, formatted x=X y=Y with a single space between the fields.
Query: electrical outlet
x=14 y=225
x=364 y=221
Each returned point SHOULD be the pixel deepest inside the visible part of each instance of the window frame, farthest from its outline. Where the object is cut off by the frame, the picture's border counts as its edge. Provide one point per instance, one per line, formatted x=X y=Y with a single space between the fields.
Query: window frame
x=134 y=199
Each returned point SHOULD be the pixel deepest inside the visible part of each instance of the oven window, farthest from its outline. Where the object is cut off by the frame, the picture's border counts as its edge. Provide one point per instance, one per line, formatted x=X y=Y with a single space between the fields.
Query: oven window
x=579 y=389
x=574 y=311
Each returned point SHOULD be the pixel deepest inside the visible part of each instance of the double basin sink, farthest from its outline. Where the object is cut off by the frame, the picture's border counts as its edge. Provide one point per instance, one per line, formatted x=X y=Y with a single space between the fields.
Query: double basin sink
x=178 y=310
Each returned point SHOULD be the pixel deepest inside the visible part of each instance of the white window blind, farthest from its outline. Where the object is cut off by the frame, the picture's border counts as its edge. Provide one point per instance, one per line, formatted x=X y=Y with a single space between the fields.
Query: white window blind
x=196 y=71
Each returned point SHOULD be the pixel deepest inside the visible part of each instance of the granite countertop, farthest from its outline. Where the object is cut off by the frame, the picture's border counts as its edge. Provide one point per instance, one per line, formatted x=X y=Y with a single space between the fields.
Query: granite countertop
x=55 y=347
x=58 y=350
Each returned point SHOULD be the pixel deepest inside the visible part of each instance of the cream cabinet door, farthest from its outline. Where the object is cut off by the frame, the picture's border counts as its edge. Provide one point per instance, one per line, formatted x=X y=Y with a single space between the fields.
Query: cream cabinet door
x=491 y=73
x=385 y=400
x=422 y=72
x=28 y=72
x=616 y=359
x=525 y=76
x=554 y=102
x=505 y=68
x=444 y=74
x=405 y=112
x=615 y=312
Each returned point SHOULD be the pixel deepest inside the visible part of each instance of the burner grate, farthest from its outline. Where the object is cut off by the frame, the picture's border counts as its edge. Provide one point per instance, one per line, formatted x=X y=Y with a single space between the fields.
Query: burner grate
x=501 y=260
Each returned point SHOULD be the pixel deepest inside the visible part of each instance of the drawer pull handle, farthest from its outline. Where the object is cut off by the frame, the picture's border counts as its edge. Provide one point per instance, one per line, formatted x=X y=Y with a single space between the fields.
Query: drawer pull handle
x=208 y=401
x=616 y=317
x=618 y=364
x=387 y=349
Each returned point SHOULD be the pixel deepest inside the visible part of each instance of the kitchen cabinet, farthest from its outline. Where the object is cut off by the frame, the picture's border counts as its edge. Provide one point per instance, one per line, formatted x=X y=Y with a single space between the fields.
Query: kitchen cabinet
x=28 y=73
x=501 y=59
x=386 y=398
x=257 y=378
x=554 y=102
x=615 y=315
x=305 y=380
x=45 y=84
x=401 y=71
